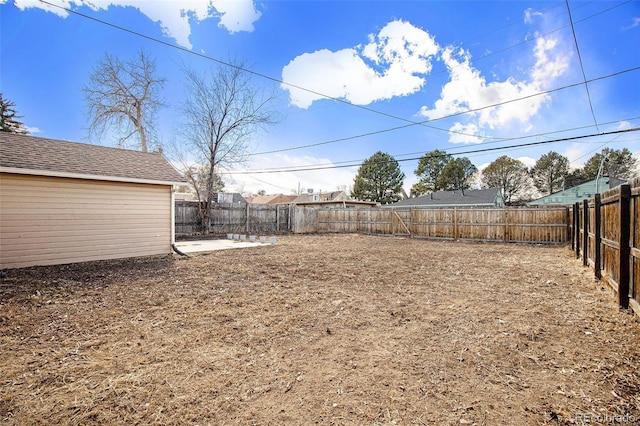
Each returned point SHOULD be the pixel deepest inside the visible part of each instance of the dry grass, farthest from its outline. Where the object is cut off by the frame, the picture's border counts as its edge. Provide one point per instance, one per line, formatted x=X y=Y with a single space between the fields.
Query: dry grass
x=319 y=329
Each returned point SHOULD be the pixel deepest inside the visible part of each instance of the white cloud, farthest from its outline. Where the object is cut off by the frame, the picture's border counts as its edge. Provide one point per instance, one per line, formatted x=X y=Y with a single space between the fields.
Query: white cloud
x=577 y=154
x=635 y=22
x=236 y=15
x=393 y=63
x=624 y=125
x=173 y=17
x=461 y=133
x=33 y=130
x=528 y=161
x=530 y=14
x=468 y=89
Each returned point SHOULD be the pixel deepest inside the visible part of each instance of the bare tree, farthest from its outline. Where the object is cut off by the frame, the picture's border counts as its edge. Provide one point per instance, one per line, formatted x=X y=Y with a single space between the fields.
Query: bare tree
x=124 y=97
x=222 y=112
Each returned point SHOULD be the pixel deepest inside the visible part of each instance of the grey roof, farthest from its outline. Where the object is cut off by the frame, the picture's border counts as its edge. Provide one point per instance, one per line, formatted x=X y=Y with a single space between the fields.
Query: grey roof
x=469 y=197
x=35 y=155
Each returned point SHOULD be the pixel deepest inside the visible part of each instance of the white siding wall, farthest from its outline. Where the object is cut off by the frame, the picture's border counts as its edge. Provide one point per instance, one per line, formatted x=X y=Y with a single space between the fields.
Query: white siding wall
x=47 y=220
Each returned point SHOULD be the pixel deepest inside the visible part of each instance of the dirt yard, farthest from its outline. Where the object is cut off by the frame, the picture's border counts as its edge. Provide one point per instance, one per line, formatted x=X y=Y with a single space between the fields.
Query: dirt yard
x=320 y=330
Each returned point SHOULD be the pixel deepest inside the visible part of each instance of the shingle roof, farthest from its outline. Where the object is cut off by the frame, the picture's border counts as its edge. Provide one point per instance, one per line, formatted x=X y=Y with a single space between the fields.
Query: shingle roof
x=55 y=157
x=470 y=197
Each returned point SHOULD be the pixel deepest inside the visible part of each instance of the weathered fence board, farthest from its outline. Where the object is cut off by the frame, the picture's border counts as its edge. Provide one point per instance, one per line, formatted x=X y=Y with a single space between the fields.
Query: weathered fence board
x=537 y=225
x=233 y=218
x=609 y=227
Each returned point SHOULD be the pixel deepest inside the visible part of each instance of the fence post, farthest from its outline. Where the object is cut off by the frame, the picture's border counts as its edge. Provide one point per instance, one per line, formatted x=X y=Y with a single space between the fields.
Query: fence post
x=247 y=218
x=572 y=228
x=455 y=224
x=625 y=251
x=568 y=220
x=505 y=215
x=576 y=221
x=585 y=235
x=597 y=261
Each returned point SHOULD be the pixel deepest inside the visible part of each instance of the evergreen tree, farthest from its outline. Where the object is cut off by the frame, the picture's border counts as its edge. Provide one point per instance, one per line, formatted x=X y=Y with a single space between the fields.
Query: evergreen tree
x=429 y=169
x=9 y=118
x=379 y=179
x=549 y=172
x=617 y=163
x=457 y=175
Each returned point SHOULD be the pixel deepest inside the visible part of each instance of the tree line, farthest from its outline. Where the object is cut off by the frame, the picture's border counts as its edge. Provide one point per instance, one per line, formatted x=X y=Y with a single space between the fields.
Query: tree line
x=380 y=178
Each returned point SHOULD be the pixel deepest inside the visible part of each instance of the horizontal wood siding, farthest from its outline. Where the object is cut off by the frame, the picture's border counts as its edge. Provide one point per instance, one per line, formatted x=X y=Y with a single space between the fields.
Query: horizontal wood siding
x=47 y=220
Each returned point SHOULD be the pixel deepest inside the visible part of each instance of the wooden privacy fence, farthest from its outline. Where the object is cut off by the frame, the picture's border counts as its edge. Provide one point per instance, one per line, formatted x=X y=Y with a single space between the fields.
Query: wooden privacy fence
x=232 y=218
x=547 y=225
x=606 y=235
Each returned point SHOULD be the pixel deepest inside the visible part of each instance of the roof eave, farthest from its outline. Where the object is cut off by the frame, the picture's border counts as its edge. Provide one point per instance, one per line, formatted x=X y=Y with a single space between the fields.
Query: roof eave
x=49 y=173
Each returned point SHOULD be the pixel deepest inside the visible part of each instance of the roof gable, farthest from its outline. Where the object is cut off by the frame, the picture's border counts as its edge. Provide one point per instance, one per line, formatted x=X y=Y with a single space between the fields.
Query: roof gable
x=34 y=155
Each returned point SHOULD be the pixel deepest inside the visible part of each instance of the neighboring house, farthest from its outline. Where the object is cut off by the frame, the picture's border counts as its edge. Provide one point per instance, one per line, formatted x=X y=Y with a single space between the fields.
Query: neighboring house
x=270 y=199
x=578 y=193
x=66 y=202
x=321 y=196
x=466 y=198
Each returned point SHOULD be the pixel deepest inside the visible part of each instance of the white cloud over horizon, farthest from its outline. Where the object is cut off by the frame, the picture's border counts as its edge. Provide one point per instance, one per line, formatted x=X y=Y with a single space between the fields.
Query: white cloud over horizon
x=173 y=17
x=394 y=62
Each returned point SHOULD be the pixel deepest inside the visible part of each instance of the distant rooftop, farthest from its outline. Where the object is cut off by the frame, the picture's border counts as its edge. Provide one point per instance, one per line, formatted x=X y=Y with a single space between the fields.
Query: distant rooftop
x=469 y=197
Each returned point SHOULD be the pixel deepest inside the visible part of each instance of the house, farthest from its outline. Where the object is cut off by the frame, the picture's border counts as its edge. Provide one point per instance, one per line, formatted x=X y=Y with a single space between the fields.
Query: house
x=467 y=198
x=270 y=199
x=578 y=193
x=321 y=196
x=66 y=202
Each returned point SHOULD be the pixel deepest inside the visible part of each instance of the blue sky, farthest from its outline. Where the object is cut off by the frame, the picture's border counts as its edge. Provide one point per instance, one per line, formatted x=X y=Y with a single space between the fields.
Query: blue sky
x=472 y=74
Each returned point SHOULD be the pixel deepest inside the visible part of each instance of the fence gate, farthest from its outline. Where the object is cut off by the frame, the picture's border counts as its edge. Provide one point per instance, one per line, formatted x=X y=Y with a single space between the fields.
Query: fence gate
x=401 y=222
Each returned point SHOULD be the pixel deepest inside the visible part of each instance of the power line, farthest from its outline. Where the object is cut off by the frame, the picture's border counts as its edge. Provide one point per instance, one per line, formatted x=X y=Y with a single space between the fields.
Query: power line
x=238 y=67
x=279 y=81
x=391 y=129
x=449 y=149
x=282 y=82
x=306 y=169
x=584 y=76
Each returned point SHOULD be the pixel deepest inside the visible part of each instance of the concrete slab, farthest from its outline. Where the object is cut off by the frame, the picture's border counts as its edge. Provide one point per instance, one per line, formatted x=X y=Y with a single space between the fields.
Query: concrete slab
x=211 y=245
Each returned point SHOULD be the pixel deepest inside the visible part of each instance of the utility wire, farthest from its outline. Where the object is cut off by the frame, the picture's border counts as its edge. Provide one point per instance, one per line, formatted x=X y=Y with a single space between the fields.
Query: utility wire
x=392 y=129
x=240 y=68
x=584 y=76
x=456 y=148
x=305 y=169
x=411 y=123
x=258 y=74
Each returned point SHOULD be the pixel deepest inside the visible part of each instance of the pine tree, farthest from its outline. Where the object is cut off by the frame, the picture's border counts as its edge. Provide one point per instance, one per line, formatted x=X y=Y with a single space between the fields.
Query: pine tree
x=379 y=179
x=9 y=118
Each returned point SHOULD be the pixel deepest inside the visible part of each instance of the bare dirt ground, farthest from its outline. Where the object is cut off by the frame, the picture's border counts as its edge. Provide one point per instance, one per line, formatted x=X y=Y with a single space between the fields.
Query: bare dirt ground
x=320 y=330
